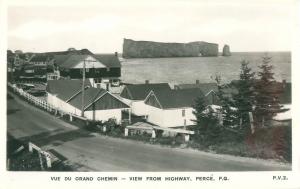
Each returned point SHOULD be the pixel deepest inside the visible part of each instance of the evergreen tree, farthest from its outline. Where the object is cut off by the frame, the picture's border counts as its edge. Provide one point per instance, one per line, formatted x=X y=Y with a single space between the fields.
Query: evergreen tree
x=227 y=110
x=244 y=99
x=207 y=128
x=267 y=93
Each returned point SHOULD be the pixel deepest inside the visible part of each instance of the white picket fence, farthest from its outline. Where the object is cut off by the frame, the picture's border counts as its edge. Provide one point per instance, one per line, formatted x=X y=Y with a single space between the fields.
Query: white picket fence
x=41 y=103
x=35 y=100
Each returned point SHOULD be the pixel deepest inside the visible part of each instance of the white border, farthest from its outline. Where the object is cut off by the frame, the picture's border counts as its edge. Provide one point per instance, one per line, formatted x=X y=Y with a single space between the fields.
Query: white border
x=237 y=179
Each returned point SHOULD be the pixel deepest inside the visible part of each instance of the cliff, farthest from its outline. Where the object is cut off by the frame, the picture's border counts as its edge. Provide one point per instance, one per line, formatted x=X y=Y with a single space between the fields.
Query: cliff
x=226 y=51
x=149 y=49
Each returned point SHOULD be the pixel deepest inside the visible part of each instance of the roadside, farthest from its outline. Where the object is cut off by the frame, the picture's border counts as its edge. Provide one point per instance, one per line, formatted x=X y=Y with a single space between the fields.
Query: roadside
x=90 y=151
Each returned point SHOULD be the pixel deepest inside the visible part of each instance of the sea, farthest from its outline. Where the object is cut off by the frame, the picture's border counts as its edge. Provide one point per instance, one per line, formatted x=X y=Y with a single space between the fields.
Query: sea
x=181 y=70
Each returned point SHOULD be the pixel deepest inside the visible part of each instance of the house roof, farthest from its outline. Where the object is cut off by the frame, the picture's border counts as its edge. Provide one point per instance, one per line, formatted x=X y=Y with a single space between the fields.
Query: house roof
x=177 y=98
x=90 y=95
x=109 y=60
x=40 y=58
x=65 y=89
x=140 y=91
x=204 y=87
x=60 y=59
x=70 y=92
x=71 y=60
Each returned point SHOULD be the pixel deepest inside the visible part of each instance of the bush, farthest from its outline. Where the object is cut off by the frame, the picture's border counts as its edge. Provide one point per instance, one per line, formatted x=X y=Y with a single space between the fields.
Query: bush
x=26 y=161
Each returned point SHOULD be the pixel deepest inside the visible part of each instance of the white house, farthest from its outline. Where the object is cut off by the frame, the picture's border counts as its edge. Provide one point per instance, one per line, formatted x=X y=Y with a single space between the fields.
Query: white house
x=134 y=95
x=172 y=108
x=99 y=104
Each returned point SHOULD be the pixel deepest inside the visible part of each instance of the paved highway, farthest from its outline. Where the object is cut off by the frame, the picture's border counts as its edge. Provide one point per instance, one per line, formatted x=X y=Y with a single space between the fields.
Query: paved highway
x=92 y=152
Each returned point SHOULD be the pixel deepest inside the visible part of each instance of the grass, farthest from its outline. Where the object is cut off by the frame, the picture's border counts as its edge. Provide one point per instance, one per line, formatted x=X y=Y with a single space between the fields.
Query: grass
x=266 y=143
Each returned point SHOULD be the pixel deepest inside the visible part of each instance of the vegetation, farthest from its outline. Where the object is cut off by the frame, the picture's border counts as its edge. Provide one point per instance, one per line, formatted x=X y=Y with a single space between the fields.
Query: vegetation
x=244 y=99
x=208 y=130
x=267 y=93
x=228 y=130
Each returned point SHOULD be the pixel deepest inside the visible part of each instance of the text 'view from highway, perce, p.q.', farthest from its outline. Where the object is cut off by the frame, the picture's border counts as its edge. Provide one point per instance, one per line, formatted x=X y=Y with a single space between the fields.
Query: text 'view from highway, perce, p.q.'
x=183 y=88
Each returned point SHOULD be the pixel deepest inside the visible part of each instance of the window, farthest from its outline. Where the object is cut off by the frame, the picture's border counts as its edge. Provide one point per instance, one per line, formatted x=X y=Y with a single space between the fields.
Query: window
x=183 y=113
x=87 y=70
x=97 y=80
x=184 y=122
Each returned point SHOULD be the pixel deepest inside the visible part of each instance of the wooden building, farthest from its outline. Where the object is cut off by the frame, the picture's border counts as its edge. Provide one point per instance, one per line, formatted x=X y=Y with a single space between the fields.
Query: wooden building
x=209 y=90
x=135 y=95
x=172 y=108
x=99 y=104
x=103 y=70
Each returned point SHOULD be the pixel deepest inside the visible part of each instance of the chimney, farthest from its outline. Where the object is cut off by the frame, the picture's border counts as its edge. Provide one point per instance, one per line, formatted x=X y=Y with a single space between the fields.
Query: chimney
x=197 y=81
x=116 y=54
x=146 y=81
x=107 y=86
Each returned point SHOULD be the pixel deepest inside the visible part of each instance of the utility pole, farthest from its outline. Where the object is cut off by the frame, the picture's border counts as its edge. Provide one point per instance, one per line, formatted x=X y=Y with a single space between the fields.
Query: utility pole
x=82 y=90
x=83 y=85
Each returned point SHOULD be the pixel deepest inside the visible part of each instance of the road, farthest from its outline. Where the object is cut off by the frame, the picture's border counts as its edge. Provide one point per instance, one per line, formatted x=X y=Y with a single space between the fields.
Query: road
x=91 y=152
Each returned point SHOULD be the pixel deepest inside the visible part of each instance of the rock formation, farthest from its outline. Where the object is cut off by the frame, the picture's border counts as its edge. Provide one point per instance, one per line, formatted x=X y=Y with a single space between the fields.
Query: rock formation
x=149 y=49
x=226 y=51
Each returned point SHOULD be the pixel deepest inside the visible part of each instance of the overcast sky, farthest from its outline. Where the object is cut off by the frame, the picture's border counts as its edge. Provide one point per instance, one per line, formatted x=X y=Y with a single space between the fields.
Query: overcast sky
x=248 y=26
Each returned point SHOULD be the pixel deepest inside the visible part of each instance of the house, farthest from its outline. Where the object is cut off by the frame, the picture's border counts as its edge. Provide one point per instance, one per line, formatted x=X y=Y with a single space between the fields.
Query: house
x=103 y=70
x=172 y=108
x=41 y=59
x=209 y=90
x=285 y=100
x=135 y=94
x=55 y=75
x=99 y=104
x=25 y=64
x=30 y=71
x=112 y=73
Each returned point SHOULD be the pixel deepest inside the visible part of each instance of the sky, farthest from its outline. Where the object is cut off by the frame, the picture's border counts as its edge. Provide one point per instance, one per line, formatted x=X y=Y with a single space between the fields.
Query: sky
x=244 y=25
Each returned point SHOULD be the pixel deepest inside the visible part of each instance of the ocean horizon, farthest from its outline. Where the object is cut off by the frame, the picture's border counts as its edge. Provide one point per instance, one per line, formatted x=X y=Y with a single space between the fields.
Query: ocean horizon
x=179 y=70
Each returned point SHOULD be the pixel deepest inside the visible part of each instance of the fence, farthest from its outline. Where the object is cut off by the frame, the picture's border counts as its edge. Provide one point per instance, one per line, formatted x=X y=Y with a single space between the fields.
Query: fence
x=34 y=100
x=41 y=103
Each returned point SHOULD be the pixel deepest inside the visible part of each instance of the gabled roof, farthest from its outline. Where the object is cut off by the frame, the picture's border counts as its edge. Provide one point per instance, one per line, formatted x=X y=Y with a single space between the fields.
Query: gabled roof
x=109 y=60
x=176 y=98
x=73 y=60
x=70 y=91
x=140 y=91
x=47 y=56
x=90 y=95
x=66 y=88
x=204 y=87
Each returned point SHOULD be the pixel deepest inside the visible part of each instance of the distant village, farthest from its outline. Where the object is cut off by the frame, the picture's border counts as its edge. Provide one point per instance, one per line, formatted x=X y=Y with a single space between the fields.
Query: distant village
x=58 y=78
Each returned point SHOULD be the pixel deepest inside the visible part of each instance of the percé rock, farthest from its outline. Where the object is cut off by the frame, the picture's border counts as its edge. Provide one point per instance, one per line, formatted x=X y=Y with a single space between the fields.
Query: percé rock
x=149 y=49
x=226 y=50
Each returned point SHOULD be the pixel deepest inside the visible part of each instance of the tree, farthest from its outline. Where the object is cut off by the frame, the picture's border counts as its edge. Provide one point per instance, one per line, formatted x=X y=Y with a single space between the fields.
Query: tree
x=227 y=110
x=266 y=92
x=207 y=128
x=244 y=99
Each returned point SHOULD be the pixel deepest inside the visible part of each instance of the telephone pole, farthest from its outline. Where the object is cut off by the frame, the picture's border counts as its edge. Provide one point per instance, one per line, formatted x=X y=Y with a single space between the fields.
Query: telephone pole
x=83 y=85
x=82 y=89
